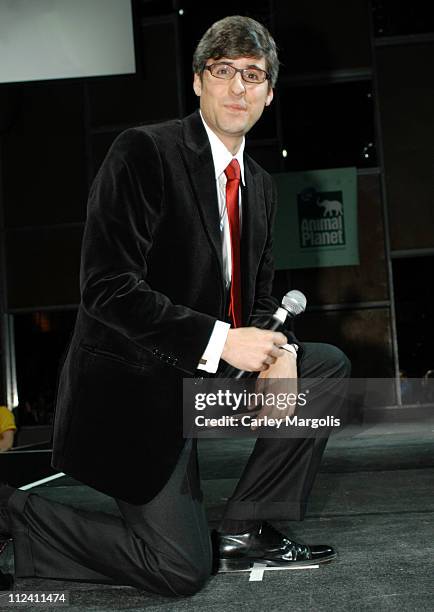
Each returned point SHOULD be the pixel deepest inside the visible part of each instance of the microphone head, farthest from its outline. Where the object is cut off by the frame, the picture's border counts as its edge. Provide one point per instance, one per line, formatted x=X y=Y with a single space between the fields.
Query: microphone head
x=294 y=302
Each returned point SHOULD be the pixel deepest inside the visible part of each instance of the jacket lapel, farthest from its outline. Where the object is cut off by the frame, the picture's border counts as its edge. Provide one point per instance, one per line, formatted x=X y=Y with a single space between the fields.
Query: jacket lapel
x=254 y=233
x=196 y=152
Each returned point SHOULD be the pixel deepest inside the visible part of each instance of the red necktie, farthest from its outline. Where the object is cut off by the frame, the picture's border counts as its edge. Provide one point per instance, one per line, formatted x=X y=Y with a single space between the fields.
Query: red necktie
x=232 y=187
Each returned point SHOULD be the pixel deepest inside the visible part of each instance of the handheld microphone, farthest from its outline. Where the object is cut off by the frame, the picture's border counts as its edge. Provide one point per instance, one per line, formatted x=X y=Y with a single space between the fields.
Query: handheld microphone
x=293 y=303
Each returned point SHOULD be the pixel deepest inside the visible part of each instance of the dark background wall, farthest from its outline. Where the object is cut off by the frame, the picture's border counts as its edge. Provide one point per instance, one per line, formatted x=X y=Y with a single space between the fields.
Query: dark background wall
x=355 y=89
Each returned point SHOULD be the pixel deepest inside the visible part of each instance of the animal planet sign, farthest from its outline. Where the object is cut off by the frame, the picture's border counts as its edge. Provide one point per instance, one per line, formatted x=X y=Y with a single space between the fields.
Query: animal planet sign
x=316 y=220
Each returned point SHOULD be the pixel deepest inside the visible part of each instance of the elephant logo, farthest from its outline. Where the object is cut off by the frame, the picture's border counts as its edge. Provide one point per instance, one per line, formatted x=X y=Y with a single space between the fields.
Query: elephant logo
x=321 y=219
x=332 y=208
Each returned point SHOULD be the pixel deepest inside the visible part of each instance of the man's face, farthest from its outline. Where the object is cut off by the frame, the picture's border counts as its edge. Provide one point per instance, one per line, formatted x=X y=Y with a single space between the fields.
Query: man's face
x=232 y=107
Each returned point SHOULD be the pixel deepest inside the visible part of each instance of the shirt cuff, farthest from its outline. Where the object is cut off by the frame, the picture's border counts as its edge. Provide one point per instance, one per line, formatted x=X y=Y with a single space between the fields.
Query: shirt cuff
x=291 y=348
x=214 y=349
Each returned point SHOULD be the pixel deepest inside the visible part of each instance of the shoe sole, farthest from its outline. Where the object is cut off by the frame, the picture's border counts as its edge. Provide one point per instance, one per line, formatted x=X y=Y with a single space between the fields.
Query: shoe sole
x=234 y=565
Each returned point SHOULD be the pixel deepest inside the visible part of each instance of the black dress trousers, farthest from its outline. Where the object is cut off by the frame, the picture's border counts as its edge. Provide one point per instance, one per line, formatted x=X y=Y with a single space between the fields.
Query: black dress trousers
x=164 y=546
x=280 y=472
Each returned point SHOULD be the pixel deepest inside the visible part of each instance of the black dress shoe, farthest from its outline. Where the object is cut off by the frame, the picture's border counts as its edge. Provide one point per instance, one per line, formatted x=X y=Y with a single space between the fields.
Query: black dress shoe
x=5 y=528
x=267 y=545
x=5 y=520
x=6 y=580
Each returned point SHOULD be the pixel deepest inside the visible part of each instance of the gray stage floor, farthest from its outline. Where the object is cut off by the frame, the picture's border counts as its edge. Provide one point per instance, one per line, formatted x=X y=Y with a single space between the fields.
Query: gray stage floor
x=373 y=500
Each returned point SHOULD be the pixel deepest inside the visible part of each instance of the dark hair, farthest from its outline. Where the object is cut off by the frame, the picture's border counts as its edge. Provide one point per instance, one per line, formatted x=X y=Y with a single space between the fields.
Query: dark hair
x=237 y=36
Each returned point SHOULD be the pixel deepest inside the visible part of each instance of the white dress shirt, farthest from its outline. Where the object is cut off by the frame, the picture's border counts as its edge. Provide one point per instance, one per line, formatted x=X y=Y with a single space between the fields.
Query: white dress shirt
x=222 y=158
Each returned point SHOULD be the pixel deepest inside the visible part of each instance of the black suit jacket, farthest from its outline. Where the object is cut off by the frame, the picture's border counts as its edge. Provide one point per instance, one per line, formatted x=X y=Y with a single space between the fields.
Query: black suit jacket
x=152 y=288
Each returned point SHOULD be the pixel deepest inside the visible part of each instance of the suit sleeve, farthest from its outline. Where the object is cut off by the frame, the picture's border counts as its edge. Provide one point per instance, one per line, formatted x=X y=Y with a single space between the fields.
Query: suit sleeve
x=125 y=208
x=264 y=303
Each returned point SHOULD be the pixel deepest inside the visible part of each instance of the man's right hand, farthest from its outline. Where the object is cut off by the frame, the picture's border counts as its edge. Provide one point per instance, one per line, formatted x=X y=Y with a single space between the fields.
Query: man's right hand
x=252 y=349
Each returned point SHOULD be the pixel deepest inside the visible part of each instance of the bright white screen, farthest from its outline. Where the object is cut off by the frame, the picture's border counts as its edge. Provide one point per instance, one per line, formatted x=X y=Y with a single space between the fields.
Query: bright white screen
x=59 y=39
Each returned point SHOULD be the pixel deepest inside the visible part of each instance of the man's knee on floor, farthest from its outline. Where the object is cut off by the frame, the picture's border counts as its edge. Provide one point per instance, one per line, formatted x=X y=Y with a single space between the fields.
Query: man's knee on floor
x=188 y=581
x=175 y=575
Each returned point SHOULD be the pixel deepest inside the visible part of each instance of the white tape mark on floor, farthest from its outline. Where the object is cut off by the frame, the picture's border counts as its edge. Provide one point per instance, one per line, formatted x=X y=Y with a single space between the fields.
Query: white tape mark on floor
x=257 y=572
x=258 y=569
x=39 y=482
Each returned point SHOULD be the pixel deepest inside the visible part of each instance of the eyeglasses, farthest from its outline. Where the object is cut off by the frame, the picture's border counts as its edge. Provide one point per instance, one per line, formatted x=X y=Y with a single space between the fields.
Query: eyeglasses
x=227 y=72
